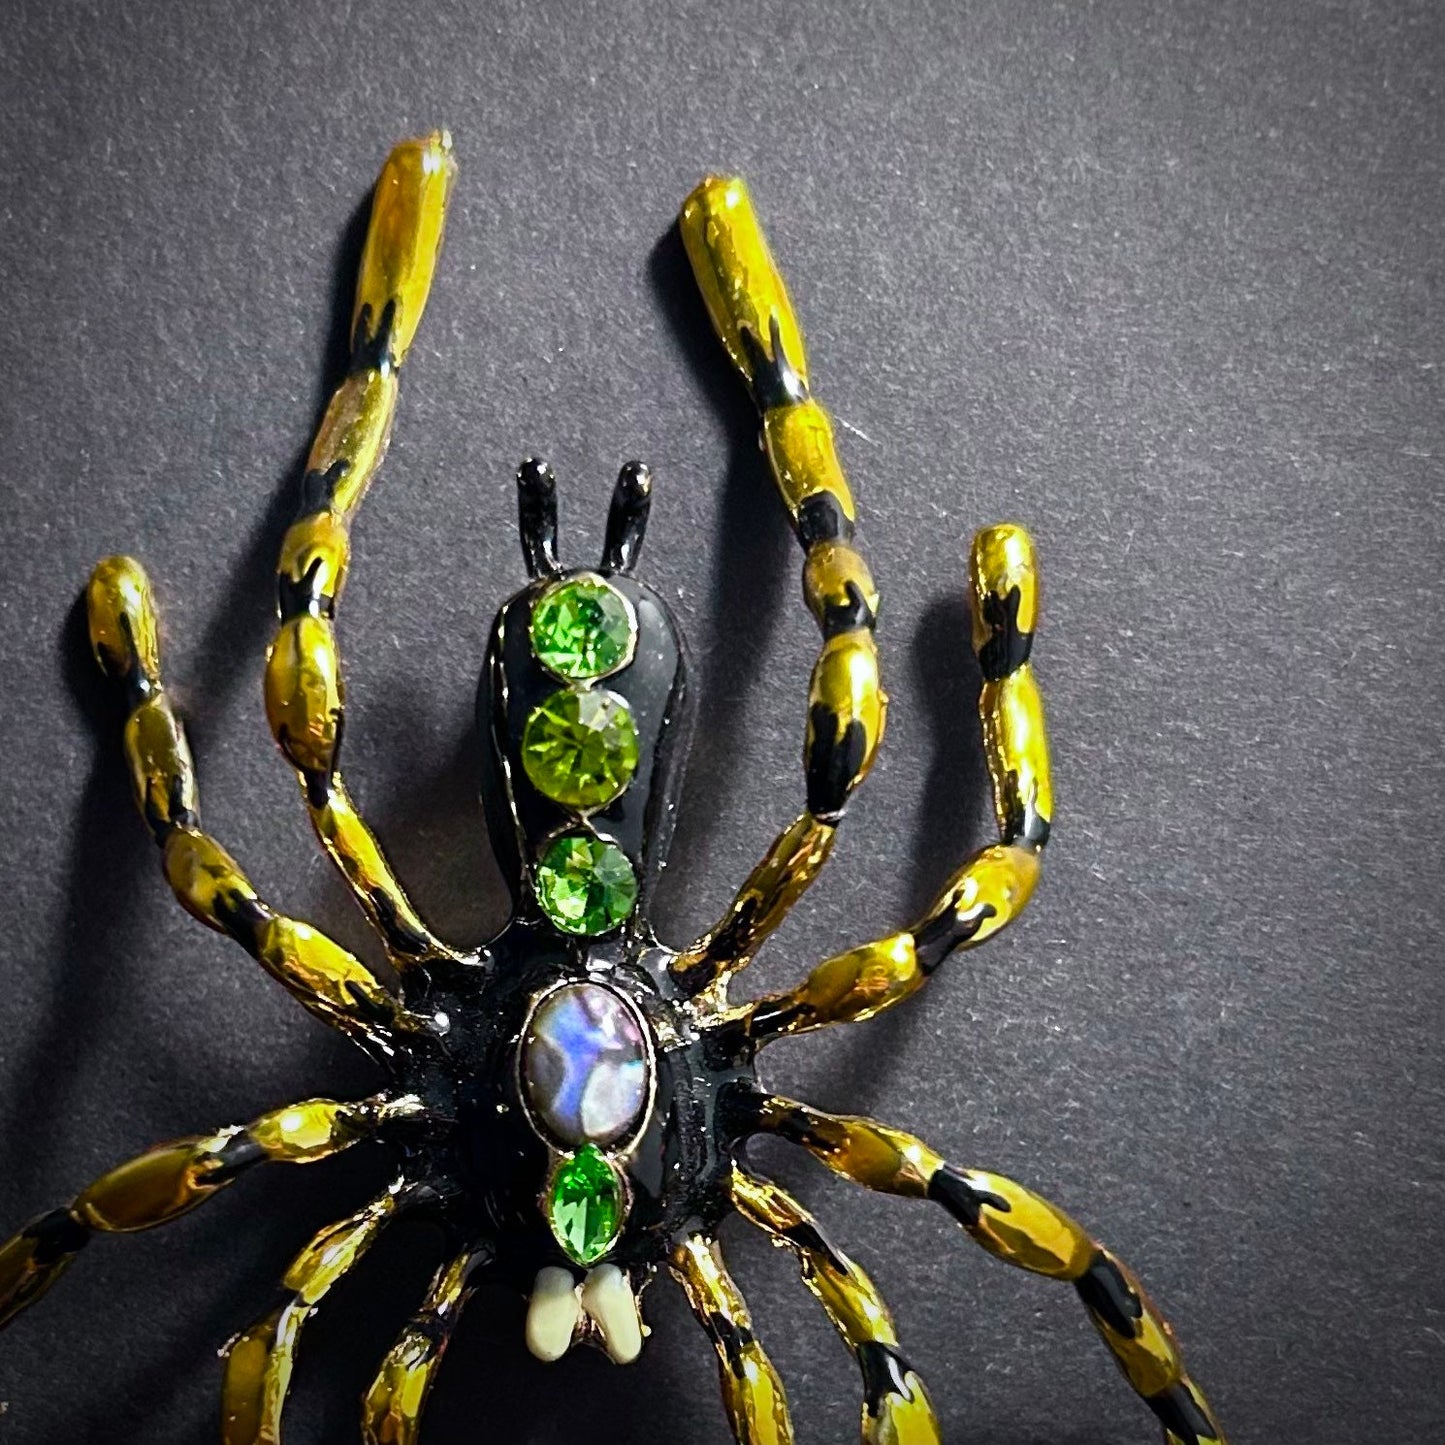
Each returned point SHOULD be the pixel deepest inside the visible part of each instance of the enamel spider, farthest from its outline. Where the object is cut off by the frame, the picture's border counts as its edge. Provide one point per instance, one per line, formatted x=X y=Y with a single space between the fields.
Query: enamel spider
x=572 y=1102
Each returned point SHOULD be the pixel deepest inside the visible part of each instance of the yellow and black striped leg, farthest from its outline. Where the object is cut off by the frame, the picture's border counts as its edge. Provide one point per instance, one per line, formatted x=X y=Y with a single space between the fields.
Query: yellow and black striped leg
x=896 y=1408
x=1023 y=1229
x=331 y=982
x=754 y=320
x=392 y=1410
x=260 y=1360
x=753 y=1396
x=167 y=1181
x=304 y=690
x=992 y=888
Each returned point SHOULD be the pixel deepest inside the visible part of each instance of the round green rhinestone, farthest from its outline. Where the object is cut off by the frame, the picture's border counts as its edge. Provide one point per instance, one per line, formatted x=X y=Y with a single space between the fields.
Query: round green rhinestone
x=580 y=748
x=585 y=885
x=583 y=629
x=584 y=1205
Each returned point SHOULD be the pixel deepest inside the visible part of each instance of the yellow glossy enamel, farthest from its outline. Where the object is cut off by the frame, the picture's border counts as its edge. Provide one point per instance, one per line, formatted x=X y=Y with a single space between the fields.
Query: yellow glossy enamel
x=408 y=215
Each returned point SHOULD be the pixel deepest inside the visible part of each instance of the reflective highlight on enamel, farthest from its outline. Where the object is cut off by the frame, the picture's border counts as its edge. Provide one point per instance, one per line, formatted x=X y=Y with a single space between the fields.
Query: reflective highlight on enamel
x=584 y=1065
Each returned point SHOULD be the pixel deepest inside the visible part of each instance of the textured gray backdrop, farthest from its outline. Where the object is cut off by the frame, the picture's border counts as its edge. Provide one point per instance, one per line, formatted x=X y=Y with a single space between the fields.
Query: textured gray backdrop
x=1160 y=280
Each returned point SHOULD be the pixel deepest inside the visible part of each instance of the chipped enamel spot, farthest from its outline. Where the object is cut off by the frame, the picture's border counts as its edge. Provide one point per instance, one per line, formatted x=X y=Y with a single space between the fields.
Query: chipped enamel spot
x=584 y=1065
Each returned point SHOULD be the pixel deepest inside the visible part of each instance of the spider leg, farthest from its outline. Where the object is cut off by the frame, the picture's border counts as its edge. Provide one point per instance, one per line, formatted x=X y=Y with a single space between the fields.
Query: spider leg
x=170 y=1179
x=304 y=689
x=753 y=1395
x=754 y=320
x=259 y=1361
x=1020 y=1227
x=392 y=1410
x=993 y=886
x=896 y=1408
x=209 y=883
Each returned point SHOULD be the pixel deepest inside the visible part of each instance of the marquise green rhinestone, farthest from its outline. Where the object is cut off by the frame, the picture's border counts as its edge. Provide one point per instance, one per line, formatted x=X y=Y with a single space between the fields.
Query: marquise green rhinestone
x=580 y=747
x=582 y=629
x=584 y=1205
x=585 y=885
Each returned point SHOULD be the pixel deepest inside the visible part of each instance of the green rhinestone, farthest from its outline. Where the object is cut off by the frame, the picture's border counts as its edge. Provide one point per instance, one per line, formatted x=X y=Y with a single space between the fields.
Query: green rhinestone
x=580 y=748
x=582 y=629
x=585 y=885
x=584 y=1205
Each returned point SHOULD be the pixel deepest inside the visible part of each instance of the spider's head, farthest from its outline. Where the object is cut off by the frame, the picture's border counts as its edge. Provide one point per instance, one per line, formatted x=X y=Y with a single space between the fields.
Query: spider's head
x=583 y=702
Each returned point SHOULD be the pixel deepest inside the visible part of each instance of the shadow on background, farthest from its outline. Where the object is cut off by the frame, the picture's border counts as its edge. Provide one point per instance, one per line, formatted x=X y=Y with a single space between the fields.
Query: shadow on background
x=753 y=559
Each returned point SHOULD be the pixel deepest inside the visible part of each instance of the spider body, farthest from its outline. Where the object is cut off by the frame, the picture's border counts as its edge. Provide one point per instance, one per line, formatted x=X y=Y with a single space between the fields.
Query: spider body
x=572 y=1101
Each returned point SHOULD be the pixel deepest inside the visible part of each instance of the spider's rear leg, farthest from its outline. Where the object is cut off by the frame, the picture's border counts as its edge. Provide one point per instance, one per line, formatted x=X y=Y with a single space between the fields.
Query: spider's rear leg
x=992 y=887
x=1018 y=1226
x=304 y=689
x=754 y=320
x=172 y=1179
x=896 y=1408
x=332 y=983
x=259 y=1361
x=753 y=1395
x=392 y=1410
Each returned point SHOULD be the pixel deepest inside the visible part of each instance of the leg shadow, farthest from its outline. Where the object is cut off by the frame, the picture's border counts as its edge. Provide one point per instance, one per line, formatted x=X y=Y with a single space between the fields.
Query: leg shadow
x=754 y=556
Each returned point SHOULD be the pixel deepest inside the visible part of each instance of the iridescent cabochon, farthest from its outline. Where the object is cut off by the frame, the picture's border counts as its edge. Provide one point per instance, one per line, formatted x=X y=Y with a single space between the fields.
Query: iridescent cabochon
x=585 y=1065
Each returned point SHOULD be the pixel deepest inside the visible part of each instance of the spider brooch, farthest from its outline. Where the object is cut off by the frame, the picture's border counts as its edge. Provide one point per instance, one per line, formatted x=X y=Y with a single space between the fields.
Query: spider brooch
x=572 y=1102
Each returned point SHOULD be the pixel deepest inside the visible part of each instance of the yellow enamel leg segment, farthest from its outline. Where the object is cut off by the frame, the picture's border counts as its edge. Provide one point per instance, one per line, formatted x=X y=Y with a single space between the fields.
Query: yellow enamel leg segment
x=993 y=887
x=403 y=241
x=1003 y=578
x=259 y=1361
x=167 y=1181
x=305 y=694
x=753 y=1395
x=391 y=1413
x=896 y=1408
x=789 y=866
x=205 y=878
x=1022 y=1228
x=753 y=317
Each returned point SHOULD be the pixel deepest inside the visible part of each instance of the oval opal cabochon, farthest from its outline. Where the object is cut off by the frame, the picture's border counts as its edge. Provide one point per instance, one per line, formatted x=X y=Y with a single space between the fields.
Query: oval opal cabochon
x=584 y=1065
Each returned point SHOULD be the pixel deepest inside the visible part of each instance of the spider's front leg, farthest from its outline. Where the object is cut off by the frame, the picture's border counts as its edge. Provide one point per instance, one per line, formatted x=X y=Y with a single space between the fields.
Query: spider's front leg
x=753 y=318
x=994 y=885
x=1016 y=1225
x=331 y=982
x=304 y=689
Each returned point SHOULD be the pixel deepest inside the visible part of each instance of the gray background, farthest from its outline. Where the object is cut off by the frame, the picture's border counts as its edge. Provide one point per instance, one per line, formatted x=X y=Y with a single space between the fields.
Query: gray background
x=1161 y=281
